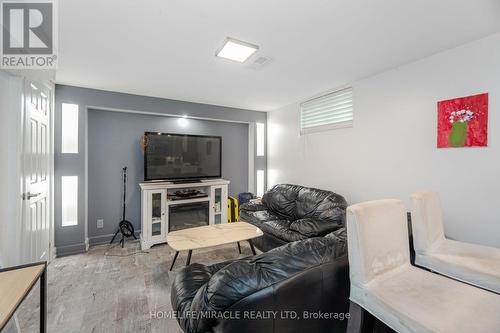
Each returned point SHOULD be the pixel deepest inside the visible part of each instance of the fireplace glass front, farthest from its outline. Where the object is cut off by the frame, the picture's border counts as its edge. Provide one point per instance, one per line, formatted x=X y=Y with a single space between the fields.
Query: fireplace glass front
x=183 y=216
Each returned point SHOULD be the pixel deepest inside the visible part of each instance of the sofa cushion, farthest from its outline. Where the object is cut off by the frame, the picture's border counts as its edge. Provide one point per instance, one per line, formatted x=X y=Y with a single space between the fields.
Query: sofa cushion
x=321 y=205
x=312 y=227
x=281 y=200
x=294 y=202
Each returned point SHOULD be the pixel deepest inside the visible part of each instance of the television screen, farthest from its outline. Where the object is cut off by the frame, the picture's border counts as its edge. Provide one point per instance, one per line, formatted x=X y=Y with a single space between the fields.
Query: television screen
x=179 y=156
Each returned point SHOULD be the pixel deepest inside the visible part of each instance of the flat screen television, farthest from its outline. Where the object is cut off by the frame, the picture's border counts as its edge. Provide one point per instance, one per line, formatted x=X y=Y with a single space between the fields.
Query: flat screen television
x=179 y=157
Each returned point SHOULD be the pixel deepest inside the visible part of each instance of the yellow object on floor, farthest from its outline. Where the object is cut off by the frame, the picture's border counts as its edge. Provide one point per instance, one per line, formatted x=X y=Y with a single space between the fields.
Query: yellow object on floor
x=232 y=209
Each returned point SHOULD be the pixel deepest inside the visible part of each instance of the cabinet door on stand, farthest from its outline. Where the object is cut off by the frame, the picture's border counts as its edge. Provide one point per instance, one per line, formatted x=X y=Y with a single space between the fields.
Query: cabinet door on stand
x=157 y=206
x=219 y=199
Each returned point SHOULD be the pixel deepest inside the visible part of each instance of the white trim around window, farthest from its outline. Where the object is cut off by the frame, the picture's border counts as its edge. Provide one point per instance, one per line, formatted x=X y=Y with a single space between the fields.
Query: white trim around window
x=329 y=111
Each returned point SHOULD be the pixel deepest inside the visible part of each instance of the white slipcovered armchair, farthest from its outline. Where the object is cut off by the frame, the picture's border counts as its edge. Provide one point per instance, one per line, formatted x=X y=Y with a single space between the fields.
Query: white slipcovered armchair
x=474 y=264
x=404 y=297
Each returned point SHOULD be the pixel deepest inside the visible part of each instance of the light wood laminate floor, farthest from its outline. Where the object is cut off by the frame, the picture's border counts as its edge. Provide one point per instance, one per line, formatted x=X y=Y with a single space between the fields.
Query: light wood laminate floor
x=96 y=293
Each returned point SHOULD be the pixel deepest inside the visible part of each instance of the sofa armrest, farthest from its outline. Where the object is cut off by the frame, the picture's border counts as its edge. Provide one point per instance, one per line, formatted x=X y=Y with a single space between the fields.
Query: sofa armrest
x=186 y=284
x=221 y=265
x=340 y=238
x=312 y=227
x=255 y=206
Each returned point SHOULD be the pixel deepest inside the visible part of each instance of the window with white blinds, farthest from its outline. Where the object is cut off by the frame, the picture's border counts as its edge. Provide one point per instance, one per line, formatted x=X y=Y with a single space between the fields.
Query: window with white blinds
x=333 y=110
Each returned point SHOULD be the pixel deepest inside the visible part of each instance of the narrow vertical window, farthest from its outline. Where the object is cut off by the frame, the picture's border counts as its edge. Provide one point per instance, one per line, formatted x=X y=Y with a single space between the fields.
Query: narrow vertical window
x=69 y=129
x=69 y=200
x=261 y=139
x=260 y=183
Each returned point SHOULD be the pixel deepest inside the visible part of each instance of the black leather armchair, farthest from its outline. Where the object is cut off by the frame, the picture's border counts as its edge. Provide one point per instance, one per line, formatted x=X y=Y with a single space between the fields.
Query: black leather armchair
x=277 y=291
x=289 y=213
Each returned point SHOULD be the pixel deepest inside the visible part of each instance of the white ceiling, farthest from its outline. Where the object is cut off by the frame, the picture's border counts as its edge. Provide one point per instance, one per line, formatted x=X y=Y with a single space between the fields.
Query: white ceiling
x=166 y=48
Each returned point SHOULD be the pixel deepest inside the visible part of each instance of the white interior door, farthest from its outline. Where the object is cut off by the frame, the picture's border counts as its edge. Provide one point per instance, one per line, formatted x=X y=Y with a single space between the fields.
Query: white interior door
x=37 y=174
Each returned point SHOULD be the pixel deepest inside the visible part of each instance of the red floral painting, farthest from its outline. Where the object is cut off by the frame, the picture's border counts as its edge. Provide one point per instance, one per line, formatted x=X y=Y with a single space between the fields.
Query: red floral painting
x=463 y=122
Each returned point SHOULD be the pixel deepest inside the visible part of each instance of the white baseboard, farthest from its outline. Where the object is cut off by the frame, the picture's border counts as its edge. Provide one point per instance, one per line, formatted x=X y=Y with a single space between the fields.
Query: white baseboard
x=105 y=239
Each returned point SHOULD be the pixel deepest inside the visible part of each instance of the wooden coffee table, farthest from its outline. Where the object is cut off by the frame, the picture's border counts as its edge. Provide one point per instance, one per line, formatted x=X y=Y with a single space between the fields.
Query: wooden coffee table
x=211 y=235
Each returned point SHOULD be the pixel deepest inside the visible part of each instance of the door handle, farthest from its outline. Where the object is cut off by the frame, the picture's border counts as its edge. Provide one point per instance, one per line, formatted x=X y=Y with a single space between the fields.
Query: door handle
x=29 y=195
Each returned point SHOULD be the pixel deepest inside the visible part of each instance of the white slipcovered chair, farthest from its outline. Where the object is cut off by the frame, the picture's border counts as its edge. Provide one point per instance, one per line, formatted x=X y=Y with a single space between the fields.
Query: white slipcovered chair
x=404 y=297
x=474 y=264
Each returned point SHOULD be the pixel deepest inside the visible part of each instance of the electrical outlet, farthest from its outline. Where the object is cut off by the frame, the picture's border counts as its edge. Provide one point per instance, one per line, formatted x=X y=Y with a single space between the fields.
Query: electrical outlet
x=100 y=223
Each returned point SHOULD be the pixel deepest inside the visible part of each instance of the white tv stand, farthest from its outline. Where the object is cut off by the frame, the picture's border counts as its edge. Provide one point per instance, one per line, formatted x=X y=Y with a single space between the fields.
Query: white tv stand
x=158 y=202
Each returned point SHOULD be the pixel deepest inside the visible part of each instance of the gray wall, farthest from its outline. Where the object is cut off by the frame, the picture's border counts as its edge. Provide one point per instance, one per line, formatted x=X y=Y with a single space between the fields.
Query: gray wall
x=72 y=239
x=113 y=142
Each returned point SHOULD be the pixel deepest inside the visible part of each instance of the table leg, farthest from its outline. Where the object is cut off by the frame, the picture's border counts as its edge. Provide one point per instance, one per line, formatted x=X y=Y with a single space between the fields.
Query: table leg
x=239 y=247
x=43 y=301
x=251 y=246
x=189 y=257
x=173 y=261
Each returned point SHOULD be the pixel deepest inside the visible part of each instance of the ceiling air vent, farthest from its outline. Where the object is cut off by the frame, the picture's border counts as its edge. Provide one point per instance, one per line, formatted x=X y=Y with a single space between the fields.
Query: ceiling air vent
x=260 y=62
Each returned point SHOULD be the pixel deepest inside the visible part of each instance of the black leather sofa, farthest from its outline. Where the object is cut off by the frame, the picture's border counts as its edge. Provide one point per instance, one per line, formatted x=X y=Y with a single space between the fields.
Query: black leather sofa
x=277 y=291
x=290 y=213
